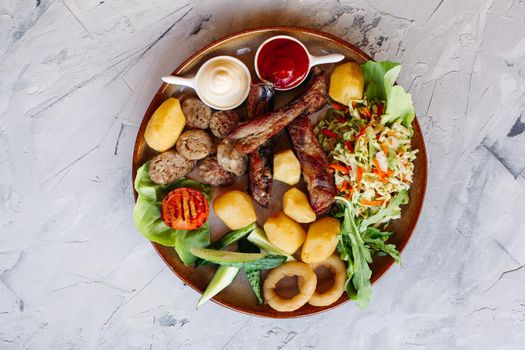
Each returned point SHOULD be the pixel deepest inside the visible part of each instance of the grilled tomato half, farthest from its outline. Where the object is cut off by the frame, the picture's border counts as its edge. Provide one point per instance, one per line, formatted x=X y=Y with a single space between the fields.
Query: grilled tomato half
x=185 y=209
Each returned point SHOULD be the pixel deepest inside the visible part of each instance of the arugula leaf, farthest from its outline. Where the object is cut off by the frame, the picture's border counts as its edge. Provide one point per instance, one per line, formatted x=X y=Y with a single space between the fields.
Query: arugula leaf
x=147 y=215
x=372 y=233
x=380 y=78
x=380 y=246
x=358 y=271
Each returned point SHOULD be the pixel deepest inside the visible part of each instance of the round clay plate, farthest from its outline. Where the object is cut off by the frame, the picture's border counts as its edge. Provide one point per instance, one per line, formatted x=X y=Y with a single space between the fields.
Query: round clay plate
x=239 y=296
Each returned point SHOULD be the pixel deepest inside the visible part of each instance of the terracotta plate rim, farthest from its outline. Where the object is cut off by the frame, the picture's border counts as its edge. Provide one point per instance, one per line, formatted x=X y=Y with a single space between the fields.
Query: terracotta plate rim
x=422 y=153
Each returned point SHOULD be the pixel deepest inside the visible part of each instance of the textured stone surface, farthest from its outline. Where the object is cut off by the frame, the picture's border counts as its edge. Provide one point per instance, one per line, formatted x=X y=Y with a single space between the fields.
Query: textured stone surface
x=76 y=78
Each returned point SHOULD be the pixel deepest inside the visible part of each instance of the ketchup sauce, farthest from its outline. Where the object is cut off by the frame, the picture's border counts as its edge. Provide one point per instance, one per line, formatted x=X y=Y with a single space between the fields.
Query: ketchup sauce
x=283 y=62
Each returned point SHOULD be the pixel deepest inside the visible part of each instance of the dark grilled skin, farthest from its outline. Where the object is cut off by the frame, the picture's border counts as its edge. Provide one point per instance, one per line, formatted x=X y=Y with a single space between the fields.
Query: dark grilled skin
x=314 y=164
x=249 y=136
x=261 y=167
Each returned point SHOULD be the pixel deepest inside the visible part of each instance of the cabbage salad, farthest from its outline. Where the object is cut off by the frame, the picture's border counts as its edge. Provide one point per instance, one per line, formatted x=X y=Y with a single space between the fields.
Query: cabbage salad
x=369 y=145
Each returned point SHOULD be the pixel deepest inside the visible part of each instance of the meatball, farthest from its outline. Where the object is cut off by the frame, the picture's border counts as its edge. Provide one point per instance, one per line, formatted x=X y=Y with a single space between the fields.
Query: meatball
x=168 y=167
x=195 y=144
x=213 y=174
x=222 y=123
x=196 y=112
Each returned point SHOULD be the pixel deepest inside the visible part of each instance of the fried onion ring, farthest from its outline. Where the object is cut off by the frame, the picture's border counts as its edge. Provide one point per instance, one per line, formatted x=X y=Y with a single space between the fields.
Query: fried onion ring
x=338 y=269
x=307 y=283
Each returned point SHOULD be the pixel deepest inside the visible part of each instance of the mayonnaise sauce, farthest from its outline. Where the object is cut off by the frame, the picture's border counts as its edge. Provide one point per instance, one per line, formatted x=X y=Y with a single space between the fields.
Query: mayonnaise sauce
x=223 y=83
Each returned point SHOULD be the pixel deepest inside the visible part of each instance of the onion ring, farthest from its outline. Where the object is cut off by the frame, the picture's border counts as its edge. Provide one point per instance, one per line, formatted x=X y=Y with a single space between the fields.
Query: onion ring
x=307 y=283
x=338 y=269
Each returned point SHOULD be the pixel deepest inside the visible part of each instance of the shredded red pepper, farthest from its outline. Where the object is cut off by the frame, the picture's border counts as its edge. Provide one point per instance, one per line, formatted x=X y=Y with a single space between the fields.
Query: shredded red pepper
x=380 y=109
x=341 y=119
x=349 y=146
x=329 y=133
x=338 y=107
x=361 y=133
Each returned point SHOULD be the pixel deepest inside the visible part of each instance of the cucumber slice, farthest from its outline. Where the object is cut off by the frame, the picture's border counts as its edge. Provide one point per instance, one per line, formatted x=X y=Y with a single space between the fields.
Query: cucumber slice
x=228 y=239
x=258 y=237
x=221 y=279
x=232 y=237
x=254 y=277
x=259 y=261
x=222 y=256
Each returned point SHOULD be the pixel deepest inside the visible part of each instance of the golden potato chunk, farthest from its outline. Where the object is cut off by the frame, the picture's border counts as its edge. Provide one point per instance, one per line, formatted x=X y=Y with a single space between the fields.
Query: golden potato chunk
x=346 y=83
x=321 y=240
x=286 y=167
x=284 y=233
x=235 y=209
x=296 y=206
x=165 y=125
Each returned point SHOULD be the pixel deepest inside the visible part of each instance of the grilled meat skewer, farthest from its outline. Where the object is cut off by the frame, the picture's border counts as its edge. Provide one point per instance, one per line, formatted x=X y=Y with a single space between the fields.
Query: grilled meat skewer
x=249 y=136
x=314 y=165
x=260 y=161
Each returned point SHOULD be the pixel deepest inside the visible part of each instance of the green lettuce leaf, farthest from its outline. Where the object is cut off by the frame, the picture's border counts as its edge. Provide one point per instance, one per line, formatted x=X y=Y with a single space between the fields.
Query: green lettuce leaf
x=380 y=78
x=147 y=215
x=392 y=211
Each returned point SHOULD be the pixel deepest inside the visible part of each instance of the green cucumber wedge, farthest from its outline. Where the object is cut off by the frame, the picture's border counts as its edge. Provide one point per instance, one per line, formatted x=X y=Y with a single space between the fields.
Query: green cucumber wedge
x=254 y=277
x=221 y=279
x=228 y=239
x=260 y=261
x=258 y=237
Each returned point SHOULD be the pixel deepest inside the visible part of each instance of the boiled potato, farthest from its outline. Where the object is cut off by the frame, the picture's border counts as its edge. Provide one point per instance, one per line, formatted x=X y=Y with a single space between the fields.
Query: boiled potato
x=284 y=233
x=235 y=209
x=321 y=240
x=165 y=125
x=346 y=83
x=296 y=206
x=286 y=167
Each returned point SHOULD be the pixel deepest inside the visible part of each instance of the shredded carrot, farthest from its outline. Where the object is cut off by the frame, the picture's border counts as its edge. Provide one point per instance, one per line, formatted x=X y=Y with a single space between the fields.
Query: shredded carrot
x=354 y=104
x=391 y=133
x=378 y=168
x=359 y=175
x=375 y=203
x=366 y=112
x=344 y=186
x=384 y=147
x=329 y=133
x=342 y=169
